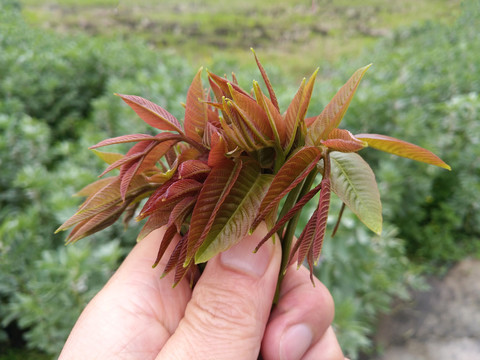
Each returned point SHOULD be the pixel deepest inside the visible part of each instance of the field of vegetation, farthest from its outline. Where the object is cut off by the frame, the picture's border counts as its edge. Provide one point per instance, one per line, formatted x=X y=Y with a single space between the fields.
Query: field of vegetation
x=61 y=62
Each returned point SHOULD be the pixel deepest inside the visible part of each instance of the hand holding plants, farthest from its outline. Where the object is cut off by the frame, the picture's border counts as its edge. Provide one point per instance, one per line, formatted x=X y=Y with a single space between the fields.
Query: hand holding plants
x=226 y=316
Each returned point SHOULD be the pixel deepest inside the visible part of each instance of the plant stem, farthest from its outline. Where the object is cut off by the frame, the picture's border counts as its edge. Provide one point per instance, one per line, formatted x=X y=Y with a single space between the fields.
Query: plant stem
x=287 y=237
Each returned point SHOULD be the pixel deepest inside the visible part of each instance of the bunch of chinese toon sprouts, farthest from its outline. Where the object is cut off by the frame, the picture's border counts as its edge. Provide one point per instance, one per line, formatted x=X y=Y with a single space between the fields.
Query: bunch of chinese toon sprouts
x=226 y=169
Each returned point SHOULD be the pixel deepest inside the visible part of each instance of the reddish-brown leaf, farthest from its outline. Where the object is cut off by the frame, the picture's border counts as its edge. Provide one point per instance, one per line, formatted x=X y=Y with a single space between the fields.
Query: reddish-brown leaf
x=180 y=189
x=402 y=148
x=214 y=192
x=274 y=117
x=196 y=109
x=305 y=240
x=152 y=203
x=92 y=188
x=181 y=211
x=136 y=152
x=295 y=169
x=222 y=84
x=193 y=169
x=296 y=208
x=154 y=221
x=273 y=98
x=217 y=151
x=123 y=139
x=97 y=222
x=253 y=115
x=333 y=113
x=174 y=259
x=151 y=155
x=322 y=217
x=168 y=236
x=343 y=141
x=152 y=114
x=297 y=110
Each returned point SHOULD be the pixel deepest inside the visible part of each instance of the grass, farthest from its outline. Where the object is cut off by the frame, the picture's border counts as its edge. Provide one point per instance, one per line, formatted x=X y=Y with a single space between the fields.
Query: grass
x=294 y=36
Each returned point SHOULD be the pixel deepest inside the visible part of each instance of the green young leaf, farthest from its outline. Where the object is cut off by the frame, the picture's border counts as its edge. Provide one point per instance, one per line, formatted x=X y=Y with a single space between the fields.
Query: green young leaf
x=402 y=148
x=196 y=110
x=108 y=157
x=333 y=113
x=152 y=114
x=237 y=212
x=354 y=182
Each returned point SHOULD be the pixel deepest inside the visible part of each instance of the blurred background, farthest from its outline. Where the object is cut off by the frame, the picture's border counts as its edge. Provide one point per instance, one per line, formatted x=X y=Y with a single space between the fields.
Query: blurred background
x=61 y=62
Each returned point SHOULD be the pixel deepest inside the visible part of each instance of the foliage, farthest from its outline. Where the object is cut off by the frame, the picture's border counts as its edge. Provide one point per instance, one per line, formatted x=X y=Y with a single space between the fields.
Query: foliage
x=229 y=166
x=56 y=85
x=364 y=274
x=66 y=278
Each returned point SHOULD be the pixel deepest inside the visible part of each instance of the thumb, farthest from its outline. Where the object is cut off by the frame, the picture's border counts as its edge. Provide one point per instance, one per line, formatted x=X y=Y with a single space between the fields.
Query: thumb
x=230 y=305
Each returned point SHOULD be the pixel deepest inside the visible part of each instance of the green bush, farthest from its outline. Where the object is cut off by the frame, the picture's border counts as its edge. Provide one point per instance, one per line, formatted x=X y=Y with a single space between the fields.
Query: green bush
x=61 y=282
x=424 y=88
x=54 y=78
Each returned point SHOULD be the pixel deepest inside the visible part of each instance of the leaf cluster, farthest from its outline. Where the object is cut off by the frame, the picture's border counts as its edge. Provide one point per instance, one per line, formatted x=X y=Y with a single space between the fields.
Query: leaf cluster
x=229 y=166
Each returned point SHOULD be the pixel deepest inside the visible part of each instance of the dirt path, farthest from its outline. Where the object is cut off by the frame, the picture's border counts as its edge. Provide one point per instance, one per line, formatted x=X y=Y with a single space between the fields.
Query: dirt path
x=442 y=323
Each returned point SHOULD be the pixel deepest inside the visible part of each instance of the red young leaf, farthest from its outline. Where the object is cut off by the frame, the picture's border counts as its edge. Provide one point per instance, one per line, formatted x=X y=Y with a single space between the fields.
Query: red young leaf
x=214 y=192
x=296 y=208
x=402 y=148
x=274 y=117
x=180 y=189
x=273 y=98
x=333 y=113
x=151 y=155
x=181 y=211
x=152 y=114
x=154 y=221
x=217 y=151
x=295 y=169
x=253 y=114
x=123 y=139
x=193 y=169
x=92 y=188
x=170 y=233
x=322 y=217
x=181 y=270
x=136 y=152
x=96 y=223
x=297 y=109
x=196 y=110
x=237 y=213
x=304 y=241
x=222 y=84
x=152 y=203
x=343 y=141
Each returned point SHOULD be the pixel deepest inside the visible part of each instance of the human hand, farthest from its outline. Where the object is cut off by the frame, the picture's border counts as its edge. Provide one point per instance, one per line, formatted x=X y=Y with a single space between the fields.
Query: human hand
x=227 y=315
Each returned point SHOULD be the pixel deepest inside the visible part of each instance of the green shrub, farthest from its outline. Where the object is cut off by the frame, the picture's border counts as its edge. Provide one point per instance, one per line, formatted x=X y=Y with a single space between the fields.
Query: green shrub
x=53 y=77
x=60 y=284
x=424 y=88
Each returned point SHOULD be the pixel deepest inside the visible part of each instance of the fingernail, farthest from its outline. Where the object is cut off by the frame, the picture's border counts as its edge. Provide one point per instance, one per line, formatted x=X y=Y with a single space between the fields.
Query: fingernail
x=295 y=342
x=241 y=257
